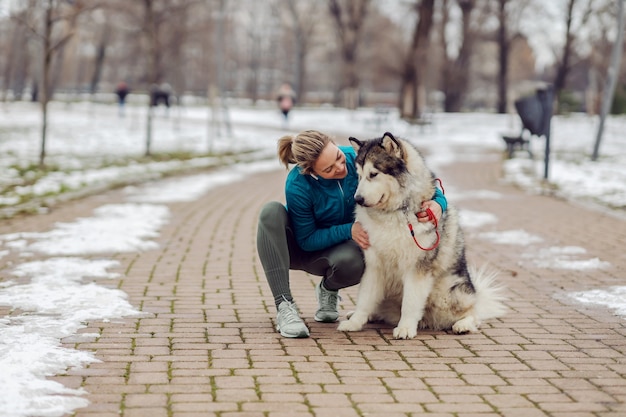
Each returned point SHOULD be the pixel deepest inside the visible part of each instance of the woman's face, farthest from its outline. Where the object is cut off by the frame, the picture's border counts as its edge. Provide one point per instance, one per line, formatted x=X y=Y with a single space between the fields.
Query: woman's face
x=331 y=164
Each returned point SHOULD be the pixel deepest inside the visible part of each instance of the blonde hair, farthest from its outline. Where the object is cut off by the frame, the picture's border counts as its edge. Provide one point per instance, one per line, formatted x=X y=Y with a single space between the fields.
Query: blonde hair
x=302 y=149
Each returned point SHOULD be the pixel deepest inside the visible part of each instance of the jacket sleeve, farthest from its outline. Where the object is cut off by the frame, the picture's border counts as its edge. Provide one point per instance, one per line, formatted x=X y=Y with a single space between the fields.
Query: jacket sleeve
x=440 y=199
x=308 y=235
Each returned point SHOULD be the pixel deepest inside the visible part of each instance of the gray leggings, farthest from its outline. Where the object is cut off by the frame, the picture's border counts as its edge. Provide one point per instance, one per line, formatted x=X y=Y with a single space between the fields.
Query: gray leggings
x=340 y=266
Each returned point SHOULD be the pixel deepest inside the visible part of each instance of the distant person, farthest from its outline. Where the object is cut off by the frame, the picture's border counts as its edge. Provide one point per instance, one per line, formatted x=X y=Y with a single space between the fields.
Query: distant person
x=286 y=99
x=121 y=91
x=160 y=94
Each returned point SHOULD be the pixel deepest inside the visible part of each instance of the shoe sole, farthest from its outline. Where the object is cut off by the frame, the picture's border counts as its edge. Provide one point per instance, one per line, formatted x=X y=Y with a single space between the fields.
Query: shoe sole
x=326 y=319
x=300 y=335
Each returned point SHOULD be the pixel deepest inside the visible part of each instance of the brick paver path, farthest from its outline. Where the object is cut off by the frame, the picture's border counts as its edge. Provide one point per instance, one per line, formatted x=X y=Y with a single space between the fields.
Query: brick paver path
x=208 y=347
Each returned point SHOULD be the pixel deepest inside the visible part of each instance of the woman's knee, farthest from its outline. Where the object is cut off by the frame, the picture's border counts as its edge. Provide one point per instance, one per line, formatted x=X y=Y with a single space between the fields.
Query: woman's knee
x=349 y=264
x=273 y=214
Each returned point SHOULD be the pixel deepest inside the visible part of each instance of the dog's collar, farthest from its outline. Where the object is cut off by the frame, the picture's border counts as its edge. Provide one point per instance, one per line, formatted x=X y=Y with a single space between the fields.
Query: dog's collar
x=405 y=207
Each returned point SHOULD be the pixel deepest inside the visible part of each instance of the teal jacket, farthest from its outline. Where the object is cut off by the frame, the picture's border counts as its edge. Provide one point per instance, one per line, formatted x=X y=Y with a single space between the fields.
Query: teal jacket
x=321 y=210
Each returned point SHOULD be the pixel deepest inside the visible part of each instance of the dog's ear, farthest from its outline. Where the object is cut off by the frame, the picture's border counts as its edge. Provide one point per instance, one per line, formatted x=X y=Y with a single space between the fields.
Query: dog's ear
x=392 y=145
x=356 y=144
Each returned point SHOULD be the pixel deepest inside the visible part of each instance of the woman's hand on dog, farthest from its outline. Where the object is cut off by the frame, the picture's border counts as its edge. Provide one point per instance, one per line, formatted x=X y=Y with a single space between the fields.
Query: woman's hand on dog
x=359 y=235
x=422 y=216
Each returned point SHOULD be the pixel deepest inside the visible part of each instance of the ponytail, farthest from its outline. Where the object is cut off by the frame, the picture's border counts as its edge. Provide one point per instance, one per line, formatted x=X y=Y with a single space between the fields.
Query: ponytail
x=285 y=154
x=303 y=149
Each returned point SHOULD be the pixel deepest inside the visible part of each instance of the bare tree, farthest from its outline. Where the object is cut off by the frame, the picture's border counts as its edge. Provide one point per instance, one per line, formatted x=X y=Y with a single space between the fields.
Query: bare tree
x=18 y=56
x=503 y=56
x=349 y=16
x=165 y=31
x=256 y=31
x=303 y=28
x=17 y=43
x=150 y=30
x=456 y=71
x=564 y=64
x=412 y=93
x=510 y=15
x=103 y=42
x=155 y=15
x=263 y=50
x=609 y=91
x=177 y=45
x=54 y=14
x=601 y=47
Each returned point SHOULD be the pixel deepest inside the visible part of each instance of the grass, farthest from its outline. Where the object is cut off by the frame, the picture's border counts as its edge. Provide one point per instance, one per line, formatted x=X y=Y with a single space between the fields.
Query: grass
x=23 y=186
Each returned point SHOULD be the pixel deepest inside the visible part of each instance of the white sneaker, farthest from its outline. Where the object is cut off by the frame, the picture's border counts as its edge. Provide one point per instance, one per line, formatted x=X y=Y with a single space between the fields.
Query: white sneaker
x=288 y=321
x=327 y=301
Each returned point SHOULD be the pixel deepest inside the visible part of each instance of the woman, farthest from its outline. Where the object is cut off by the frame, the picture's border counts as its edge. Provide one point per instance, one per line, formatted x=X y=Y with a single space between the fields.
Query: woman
x=316 y=231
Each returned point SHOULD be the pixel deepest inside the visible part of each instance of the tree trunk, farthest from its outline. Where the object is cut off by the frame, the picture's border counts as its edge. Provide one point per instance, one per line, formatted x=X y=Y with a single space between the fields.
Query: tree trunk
x=302 y=29
x=254 y=67
x=10 y=59
x=503 y=44
x=564 y=66
x=457 y=83
x=56 y=70
x=153 y=62
x=412 y=92
x=99 y=63
x=611 y=81
x=349 y=31
x=45 y=80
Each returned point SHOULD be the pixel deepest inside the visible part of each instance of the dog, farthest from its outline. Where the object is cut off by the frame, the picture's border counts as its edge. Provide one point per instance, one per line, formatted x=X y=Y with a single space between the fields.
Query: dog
x=416 y=274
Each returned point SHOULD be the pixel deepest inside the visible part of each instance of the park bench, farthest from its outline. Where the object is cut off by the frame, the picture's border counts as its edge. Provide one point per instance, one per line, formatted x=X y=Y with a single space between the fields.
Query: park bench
x=424 y=120
x=535 y=113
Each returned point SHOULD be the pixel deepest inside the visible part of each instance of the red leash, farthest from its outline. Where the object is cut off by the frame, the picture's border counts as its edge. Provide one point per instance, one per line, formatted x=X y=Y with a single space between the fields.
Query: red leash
x=441 y=186
x=432 y=218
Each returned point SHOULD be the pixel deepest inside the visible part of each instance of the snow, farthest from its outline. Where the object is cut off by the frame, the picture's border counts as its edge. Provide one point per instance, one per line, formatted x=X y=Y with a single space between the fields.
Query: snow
x=471 y=219
x=612 y=298
x=53 y=299
x=56 y=304
x=511 y=237
x=114 y=227
x=571 y=171
x=565 y=257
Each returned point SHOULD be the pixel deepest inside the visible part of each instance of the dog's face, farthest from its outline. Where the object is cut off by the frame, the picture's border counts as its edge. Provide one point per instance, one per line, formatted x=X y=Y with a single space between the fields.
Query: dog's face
x=381 y=167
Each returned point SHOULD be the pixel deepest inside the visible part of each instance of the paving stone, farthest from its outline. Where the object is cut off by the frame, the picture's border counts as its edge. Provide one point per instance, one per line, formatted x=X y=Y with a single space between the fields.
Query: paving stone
x=208 y=345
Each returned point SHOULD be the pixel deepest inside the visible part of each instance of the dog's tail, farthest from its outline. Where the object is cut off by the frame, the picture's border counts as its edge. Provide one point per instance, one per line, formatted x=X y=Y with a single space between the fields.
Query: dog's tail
x=490 y=294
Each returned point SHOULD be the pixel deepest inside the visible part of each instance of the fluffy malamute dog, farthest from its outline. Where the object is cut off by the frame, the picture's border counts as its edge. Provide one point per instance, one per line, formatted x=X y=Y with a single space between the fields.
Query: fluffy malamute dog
x=416 y=274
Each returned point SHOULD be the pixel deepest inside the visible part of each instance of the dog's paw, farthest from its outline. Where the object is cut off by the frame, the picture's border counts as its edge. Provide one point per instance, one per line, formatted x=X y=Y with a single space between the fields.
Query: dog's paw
x=465 y=325
x=404 y=333
x=349 y=326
